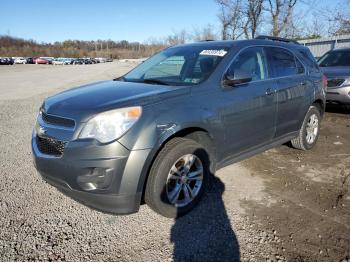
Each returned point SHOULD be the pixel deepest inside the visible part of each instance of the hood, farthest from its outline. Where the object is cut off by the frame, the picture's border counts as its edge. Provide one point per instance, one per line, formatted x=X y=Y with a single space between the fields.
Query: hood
x=336 y=71
x=81 y=102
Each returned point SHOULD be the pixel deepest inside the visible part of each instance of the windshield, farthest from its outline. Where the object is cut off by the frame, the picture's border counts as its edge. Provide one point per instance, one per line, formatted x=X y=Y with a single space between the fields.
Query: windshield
x=183 y=65
x=335 y=58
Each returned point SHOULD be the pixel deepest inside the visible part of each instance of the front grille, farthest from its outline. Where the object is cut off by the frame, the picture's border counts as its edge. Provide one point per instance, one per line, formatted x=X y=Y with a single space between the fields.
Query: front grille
x=335 y=82
x=56 y=120
x=50 y=146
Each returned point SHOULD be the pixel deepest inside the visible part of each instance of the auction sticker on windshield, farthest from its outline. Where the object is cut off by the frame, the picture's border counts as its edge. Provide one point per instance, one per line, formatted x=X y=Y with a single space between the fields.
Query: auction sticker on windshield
x=214 y=52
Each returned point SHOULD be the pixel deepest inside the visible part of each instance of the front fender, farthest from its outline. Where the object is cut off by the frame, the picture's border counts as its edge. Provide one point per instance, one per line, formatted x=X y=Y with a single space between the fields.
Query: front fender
x=163 y=120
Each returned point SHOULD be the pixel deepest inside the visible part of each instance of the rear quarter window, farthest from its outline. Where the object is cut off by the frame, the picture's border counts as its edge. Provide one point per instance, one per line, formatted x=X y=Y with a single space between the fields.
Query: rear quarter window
x=283 y=62
x=309 y=60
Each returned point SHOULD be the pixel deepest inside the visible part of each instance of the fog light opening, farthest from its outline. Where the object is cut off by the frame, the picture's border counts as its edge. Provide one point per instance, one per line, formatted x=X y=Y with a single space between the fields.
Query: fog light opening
x=98 y=178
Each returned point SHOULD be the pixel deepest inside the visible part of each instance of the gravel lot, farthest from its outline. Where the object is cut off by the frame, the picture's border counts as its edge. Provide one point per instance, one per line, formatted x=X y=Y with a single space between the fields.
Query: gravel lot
x=282 y=205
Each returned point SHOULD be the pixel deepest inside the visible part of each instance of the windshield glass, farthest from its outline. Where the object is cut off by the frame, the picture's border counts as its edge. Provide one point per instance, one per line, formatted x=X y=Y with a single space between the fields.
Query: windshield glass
x=335 y=58
x=183 y=65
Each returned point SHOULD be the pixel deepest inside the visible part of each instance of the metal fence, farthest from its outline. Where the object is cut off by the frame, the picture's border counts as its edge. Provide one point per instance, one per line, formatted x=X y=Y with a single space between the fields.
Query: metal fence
x=322 y=45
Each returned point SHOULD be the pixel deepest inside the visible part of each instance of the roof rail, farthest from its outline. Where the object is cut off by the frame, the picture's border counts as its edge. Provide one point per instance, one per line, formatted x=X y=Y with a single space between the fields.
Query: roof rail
x=275 y=38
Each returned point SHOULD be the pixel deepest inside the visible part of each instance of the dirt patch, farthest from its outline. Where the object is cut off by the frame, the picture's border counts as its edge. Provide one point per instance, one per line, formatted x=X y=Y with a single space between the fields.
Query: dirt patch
x=311 y=214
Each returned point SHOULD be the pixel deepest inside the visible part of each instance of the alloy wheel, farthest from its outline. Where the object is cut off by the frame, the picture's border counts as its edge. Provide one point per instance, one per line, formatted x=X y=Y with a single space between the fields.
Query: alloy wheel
x=312 y=128
x=184 y=180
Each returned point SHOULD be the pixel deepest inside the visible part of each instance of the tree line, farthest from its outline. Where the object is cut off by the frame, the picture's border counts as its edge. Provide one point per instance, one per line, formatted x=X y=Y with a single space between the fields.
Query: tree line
x=13 y=46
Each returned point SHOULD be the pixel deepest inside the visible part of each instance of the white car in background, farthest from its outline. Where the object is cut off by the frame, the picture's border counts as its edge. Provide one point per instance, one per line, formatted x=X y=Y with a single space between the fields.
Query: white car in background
x=58 y=61
x=68 y=61
x=20 y=60
x=101 y=59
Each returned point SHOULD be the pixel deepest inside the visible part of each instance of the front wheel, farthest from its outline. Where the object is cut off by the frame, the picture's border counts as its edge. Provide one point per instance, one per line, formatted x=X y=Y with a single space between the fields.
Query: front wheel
x=309 y=132
x=178 y=178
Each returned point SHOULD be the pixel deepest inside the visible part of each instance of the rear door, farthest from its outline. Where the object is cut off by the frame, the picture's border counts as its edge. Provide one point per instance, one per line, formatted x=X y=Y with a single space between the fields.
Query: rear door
x=291 y=85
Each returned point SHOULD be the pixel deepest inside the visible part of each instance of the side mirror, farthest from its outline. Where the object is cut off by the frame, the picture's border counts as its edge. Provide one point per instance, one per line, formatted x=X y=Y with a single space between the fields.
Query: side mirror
x=239 y=77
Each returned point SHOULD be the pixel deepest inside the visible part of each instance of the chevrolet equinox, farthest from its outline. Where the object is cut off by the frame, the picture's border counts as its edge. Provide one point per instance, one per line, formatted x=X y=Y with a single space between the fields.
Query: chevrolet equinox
x=157 y=134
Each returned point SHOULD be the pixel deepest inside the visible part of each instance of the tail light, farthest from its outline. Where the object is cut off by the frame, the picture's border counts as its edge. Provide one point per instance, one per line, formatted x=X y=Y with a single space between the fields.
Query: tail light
x=324 y=82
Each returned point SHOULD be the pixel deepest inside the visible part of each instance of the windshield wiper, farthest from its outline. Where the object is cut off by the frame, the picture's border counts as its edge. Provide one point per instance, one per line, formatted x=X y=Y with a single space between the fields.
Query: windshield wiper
x=121 y=78
x=154 y=81
x=147 y=81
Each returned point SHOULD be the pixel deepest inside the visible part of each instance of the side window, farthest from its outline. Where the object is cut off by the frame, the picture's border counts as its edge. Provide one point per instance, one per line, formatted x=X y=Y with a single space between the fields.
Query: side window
x=300 y=66
x=204 y=66
x=251 y=61
x=169 y=67
x=309 y=60
x=283 y=62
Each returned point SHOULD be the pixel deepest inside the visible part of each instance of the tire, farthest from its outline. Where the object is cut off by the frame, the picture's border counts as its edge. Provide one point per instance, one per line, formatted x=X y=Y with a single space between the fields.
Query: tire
x=163 y=184
x=309 y=131
x=346 y=108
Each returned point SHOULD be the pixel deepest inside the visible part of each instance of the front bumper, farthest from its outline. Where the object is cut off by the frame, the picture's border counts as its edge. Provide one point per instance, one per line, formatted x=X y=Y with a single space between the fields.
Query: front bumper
x=340 y=95
x=108 y=178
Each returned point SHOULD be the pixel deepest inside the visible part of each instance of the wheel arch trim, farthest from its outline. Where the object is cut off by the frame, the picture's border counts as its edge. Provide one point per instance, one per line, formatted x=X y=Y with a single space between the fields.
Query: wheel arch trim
x=180 y=132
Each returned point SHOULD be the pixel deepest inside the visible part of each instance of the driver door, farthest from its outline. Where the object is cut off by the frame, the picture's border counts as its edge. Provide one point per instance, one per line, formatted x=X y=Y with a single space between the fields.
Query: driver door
x=248 y=110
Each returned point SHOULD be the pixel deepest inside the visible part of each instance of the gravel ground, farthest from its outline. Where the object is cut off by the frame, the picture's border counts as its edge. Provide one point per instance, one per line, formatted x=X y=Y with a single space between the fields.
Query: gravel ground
x=282 y=205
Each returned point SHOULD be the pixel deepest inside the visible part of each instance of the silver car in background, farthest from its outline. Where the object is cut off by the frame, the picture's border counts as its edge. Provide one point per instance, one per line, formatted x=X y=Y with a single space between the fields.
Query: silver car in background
x=335 y=65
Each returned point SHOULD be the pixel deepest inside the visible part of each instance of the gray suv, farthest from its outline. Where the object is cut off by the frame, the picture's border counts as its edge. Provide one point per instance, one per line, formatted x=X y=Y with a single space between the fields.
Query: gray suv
x=158 y=133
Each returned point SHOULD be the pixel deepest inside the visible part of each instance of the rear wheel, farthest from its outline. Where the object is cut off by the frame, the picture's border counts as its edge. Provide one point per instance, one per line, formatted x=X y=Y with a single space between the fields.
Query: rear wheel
x=346 y=108
x=309 y=131
x=178 y=178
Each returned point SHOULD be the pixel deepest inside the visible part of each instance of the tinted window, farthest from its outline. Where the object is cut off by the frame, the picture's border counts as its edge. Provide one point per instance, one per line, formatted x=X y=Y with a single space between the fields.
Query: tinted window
x=335 y=58
x=309 y=60
x=283 y=62
x=251 y=61
x=300 y=66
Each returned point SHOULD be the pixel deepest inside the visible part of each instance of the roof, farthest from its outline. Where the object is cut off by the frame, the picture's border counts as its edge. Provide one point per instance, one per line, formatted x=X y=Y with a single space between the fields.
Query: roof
x=242 y=43
x=340 y=49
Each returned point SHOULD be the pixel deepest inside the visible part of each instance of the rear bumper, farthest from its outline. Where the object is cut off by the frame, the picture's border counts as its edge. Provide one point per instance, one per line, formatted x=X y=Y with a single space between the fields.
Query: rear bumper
x=108 y=178
x=339 y=95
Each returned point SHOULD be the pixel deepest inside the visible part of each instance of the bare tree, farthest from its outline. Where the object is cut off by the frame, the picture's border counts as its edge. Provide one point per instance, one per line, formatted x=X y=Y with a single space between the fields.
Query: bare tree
x=344 y=27
x=340 y=24
x=177 y=38
x=316 y=28
x=281 y=14
x=253 y=12
x=224 y=18
x=231 y=16
x=204 y=33
x=335 y=21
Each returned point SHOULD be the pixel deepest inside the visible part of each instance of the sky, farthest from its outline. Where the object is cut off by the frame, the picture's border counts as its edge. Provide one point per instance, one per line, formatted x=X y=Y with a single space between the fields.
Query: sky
x=132 y=20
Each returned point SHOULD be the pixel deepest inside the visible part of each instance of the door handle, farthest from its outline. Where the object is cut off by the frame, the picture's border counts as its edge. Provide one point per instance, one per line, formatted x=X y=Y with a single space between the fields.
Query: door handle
x=269 y=91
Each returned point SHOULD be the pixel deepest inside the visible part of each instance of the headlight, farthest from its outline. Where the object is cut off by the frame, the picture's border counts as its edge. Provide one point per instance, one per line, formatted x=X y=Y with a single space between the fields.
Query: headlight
x=110 y=125
x=346 y=82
